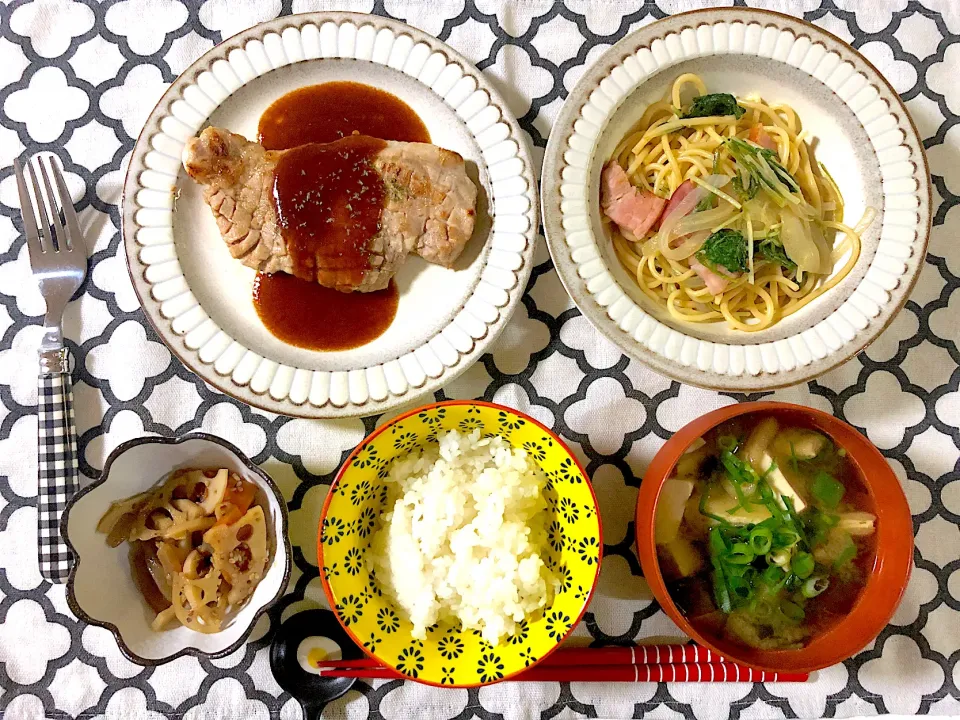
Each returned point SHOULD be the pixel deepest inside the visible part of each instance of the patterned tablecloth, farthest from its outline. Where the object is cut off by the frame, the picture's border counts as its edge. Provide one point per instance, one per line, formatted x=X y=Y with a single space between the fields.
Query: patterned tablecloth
x=80 y=79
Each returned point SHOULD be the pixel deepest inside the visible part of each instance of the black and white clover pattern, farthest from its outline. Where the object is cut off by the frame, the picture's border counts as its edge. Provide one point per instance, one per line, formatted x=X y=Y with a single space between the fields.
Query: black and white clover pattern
x=79 y=79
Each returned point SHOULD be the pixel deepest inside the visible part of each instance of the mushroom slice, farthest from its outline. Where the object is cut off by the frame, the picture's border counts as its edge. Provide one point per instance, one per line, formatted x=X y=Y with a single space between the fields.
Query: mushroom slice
x=240 y=552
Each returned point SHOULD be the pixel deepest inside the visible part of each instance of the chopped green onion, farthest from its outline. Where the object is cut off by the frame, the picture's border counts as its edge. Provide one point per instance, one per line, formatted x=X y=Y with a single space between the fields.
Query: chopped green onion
x=795 y=518
x=773 y=575
x=802 y=565
x=814 y=586
x=721 y=593
x=827 y=490
x=848 y=553
x=794 y=460
x=779 y=558
x=734 y=569
x=708 y=514
x=792 y=611
x=740 y=588
x=736 y=469
x=769 y=501
x=718 y=546
x=819 y=524
x=786 y=538
x=763 y=609
x=741 y=554
x=727 y=442
x=761 y=539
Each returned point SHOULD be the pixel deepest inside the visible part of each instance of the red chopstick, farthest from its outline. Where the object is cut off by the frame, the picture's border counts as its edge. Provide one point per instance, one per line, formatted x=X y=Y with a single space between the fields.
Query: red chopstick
x=638 y=655
x=687 y=672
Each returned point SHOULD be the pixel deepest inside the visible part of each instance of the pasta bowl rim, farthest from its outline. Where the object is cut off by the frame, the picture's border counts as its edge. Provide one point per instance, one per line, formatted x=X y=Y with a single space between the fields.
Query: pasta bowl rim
x=887 y=582
x=348 y=463
x=851 y=322
x=279 y=535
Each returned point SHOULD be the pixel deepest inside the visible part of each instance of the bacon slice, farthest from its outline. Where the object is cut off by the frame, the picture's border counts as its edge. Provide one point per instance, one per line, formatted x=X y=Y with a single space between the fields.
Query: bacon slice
x=632 y=209
x=762 y=138
x=715 y=282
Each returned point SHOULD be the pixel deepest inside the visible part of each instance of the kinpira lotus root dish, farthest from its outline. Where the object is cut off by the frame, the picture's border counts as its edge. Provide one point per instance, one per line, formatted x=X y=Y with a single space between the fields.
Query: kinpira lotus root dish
x=720 y=211
x=198 y=546
x=765 y=533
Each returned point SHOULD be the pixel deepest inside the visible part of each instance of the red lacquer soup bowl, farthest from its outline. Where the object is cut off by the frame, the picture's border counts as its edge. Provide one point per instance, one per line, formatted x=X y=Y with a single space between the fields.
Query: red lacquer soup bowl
x=886 y=575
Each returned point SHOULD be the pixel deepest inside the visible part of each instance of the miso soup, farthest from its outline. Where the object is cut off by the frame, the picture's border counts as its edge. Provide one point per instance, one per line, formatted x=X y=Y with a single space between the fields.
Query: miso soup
x=765 y=533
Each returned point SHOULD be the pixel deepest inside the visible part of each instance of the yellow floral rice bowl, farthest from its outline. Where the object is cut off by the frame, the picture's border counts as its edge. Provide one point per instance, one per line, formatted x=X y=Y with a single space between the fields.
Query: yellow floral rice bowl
x=446 y=654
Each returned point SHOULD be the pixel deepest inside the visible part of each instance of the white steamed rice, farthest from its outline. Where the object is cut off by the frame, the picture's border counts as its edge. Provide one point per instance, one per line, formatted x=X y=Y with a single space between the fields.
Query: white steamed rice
x=462 y=535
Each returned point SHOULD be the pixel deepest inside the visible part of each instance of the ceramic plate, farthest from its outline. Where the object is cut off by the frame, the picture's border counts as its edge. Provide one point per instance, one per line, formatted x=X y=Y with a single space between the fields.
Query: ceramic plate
x=864 y=136
x=101 y=589
x=199 y=298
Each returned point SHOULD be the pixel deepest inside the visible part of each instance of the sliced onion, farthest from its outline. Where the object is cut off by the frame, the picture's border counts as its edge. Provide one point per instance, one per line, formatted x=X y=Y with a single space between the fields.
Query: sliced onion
x=680 y=222
x=691 y=243
x=684 y=189
x=686 y=206
x=823 y=247
x=704 y=220
x=798 y=244
x=718 y=180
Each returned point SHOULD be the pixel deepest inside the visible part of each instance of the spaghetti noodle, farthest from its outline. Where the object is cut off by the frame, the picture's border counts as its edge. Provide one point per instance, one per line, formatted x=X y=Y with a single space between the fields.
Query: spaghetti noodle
x=726 y=218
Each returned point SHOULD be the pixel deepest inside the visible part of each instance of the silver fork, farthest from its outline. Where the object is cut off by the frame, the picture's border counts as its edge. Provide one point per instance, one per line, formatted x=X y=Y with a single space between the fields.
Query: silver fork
x=59 y=262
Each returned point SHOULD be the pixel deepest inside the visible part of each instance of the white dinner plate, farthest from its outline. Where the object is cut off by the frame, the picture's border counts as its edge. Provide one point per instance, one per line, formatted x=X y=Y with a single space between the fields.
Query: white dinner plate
x=862 y=133
x=199 y=298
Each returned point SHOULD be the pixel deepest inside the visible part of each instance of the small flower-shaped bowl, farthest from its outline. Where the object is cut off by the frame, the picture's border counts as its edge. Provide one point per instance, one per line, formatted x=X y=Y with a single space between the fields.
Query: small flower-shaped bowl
x=450 y=656
x=101 y=589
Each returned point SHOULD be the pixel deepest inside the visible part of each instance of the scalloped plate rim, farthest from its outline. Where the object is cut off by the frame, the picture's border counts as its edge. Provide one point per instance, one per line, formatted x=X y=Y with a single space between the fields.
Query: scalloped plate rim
x=175 y=342
x=567 y=269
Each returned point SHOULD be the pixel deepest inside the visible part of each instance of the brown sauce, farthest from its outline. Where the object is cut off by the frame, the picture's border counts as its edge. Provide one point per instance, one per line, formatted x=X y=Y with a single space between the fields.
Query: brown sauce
x=329 y=201
x=328 y=112
x=311 y=316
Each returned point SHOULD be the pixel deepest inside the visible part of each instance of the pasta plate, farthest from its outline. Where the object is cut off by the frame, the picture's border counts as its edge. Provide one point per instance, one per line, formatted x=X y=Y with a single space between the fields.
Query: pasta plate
x=863 y=135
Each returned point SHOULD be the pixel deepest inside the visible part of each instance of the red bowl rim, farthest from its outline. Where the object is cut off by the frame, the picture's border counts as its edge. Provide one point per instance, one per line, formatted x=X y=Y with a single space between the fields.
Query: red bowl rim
x=346 y=464
x=885 y=586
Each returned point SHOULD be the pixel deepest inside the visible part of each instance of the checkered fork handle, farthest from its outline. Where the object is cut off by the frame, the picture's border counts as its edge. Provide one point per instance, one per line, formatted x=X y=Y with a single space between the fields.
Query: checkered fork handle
x=58 y=471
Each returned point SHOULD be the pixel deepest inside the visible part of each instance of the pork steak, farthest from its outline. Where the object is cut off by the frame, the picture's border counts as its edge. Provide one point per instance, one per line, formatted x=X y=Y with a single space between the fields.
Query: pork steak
x=428 y=208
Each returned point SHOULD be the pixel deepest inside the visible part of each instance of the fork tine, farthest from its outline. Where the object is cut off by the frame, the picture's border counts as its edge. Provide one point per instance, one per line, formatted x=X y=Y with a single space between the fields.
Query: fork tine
x=27 y=213
x=41 y=210
x=74 y=233
x=62 y=245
